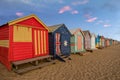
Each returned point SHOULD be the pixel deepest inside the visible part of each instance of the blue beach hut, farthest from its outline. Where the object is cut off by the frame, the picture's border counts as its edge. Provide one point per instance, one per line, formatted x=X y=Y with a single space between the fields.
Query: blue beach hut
x=59 y=40
x=97 y=41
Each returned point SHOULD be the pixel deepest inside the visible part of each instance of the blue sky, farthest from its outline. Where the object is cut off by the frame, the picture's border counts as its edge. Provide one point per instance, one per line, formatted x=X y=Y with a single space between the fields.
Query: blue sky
x=98 y=16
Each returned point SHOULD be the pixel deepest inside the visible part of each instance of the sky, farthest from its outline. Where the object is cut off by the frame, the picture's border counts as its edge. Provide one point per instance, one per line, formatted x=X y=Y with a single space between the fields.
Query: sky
x=101 y=17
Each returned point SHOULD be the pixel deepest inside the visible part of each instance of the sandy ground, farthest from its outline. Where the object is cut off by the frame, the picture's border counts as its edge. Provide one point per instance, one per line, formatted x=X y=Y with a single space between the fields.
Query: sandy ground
x=100 y=65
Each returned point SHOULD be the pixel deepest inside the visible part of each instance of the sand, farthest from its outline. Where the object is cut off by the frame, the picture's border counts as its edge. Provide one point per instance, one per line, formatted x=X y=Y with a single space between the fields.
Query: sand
x=100 y=65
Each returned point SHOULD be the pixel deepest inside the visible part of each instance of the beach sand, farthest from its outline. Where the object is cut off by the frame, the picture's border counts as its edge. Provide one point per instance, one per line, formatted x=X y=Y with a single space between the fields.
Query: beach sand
x=102 y=64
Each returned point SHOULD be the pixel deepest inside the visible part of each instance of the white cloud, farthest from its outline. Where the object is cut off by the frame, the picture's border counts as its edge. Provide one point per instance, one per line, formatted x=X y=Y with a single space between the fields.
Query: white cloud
x=107 y=25
x=92 y=19
x=74 y=12
x=19 y=14
x=64 y=9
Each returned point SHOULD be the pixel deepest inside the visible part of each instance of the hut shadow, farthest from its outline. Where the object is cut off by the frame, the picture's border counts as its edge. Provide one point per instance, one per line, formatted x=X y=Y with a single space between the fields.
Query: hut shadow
x=62 y=57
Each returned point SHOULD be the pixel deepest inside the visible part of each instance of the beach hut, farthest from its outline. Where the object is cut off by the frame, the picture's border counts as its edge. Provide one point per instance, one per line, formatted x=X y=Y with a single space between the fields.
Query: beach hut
x=23 y=40
x=93 y=36
x=111 y=42
x=97 y=41
x=87 y=40
x=107 y=42
x=59 y=40
x=102 y=41
x=77 y=41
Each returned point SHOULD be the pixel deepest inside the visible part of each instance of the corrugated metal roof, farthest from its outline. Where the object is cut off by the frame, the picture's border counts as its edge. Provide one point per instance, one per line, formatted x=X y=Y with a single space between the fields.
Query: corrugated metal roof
x=54 y=27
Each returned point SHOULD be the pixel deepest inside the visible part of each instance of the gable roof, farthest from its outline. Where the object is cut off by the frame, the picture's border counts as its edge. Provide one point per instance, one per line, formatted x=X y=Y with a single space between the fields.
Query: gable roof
x=73 y=31
x=54 y=27
x=92 y=34
x=26 y=17
x=85 y=32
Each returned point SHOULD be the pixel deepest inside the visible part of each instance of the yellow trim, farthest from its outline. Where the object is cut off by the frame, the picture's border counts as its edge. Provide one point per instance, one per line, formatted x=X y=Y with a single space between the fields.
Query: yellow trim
x=27 y=17
x=4 y=43
x=28 y=26
x=35 y=43
x=45 y=41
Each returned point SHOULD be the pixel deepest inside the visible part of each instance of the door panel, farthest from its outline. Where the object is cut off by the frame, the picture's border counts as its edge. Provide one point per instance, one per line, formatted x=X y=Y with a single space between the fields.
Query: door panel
x=65 y=44
x=57 y=37
x=79 y=42
x=40 y=42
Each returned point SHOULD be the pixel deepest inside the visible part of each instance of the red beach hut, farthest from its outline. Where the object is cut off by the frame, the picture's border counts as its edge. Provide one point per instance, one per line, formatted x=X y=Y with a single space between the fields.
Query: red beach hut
x=24 y=39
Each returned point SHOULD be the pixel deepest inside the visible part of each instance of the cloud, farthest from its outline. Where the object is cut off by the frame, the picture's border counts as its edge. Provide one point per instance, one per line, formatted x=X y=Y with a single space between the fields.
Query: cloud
x=69 y=9
x=81 y=2
x=74 y=12
x=64 y=9
x=87 y=16
x=92 y=19
x=19 y=14
x=106 y=25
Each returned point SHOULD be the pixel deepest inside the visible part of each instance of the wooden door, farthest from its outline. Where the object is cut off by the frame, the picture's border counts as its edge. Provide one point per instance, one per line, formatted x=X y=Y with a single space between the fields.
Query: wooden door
x=65 y=44
x=57 y=37
x=40 y=42
x=79 y=42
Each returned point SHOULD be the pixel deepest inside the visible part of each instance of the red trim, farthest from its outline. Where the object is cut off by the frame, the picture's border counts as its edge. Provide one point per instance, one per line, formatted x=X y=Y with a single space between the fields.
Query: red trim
x=33 y=42
x=10 y=42
x=72 y=45
x=57 y=36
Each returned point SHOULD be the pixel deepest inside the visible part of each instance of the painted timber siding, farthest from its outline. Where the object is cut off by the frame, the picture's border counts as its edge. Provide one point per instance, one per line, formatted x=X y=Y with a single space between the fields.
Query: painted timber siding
x=64 y=39
x=93 y=41
x=73 y=44
x=97 y=41
x=107 y=43
x=23 y=38
x=22 y=34
x=77 y=41
x=4 y=33
x=87 y=42
x=4 y=45
x=87 y=39
x=102 y=41
x=110 y=42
